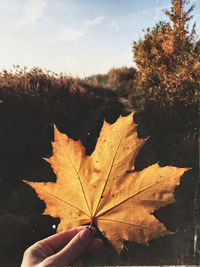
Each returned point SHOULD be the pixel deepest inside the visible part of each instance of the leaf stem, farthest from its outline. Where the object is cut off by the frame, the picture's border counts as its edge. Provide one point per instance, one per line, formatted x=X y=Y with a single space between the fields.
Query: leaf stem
x=91 y=220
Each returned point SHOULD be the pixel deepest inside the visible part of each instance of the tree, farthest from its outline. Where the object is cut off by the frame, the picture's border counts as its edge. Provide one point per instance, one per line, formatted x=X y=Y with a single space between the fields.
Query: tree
x=168 y=59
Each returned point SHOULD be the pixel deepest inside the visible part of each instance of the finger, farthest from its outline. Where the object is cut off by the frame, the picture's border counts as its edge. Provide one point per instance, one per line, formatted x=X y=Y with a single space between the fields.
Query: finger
x=95 y=244
x=73 y=250
x=59 y=240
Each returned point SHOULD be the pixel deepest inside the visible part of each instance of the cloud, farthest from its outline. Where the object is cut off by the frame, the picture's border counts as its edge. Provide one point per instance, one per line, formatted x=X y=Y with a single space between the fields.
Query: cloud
x=70 y=35
x=95 y=21
x=7 y=8
x=32 y=12
x=114 y=25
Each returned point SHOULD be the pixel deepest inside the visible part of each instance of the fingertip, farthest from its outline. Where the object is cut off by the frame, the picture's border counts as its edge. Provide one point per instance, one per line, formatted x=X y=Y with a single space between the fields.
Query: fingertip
x=92 y=230
x=85 y=235
x=95 y=244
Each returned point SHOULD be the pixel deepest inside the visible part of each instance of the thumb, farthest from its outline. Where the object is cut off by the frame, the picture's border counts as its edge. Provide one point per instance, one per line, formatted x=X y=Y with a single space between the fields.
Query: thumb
x=74 y=249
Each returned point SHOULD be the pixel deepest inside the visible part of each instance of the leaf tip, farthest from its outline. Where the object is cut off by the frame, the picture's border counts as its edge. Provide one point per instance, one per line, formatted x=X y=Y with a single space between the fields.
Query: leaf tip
x=55 y=128
x=47 y=159
x=57 y=133
x=29 y=183
x=25 y=181
x=170 y=233
x=187 y=169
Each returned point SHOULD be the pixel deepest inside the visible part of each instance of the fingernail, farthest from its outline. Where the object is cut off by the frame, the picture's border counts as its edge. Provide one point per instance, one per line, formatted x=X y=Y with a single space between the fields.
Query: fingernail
x=85 y=235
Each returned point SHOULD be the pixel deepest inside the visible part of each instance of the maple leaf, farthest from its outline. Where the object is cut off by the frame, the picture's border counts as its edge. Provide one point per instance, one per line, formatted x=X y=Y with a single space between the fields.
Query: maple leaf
x=104 y=188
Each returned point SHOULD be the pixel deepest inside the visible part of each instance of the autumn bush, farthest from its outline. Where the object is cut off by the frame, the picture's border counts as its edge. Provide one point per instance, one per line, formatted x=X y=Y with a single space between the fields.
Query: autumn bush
x=33 y=100
x=168 y=60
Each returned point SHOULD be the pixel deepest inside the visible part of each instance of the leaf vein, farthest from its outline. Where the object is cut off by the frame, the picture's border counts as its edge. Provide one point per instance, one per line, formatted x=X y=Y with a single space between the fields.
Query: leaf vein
x=79 y=178
x=133 y=224
x=64 y=201
x=131 y=197
x=111 y=166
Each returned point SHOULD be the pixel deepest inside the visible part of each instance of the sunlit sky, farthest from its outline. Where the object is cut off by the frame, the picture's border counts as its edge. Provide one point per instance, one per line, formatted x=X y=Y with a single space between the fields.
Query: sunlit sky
x=78 y=37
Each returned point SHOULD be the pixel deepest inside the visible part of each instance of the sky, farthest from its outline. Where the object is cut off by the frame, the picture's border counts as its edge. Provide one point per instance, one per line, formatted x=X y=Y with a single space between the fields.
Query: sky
x=76 y=37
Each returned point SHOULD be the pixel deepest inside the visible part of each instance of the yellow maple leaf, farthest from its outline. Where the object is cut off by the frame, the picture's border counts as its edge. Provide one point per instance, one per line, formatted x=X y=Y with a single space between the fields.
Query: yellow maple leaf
x=104 y=188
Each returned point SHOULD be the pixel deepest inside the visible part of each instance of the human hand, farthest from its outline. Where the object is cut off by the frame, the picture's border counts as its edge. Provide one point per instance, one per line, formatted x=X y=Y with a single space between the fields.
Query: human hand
x=62 y=249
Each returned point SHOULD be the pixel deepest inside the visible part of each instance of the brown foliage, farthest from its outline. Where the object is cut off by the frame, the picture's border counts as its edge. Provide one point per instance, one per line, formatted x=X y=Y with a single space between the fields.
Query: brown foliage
x=168 y=59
